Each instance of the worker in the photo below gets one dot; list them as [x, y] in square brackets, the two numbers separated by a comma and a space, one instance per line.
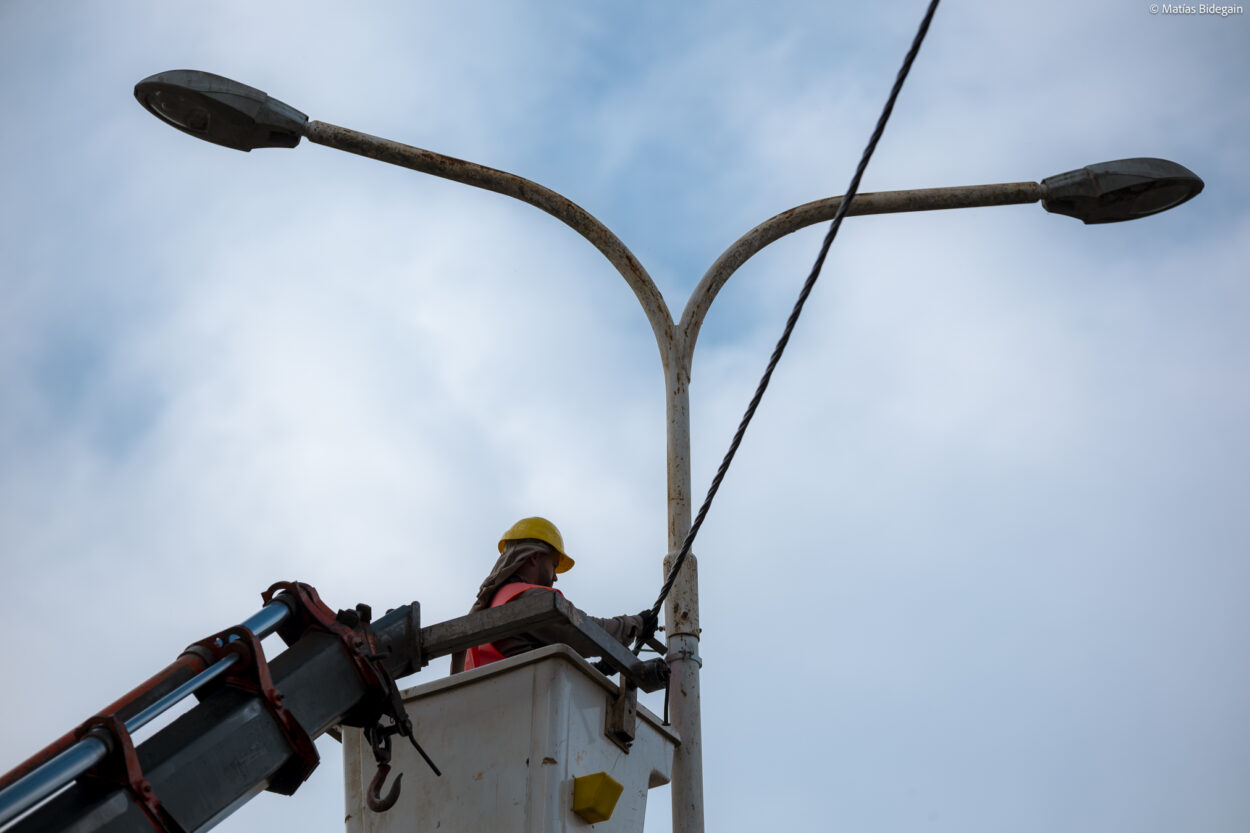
[531, 555]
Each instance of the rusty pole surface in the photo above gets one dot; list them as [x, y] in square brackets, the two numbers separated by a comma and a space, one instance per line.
[676, 344]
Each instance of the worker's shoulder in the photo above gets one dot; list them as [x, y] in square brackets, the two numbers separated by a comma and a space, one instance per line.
[536, 590]
[520, 590]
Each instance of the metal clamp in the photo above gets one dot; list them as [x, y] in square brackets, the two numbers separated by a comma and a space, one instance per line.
[684, 654]
[353, 628]
[121, 767]
[252, 674]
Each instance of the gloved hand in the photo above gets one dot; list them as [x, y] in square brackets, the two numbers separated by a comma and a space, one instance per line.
[649, 621]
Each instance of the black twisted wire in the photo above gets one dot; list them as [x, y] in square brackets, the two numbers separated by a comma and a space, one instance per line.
[845, 205]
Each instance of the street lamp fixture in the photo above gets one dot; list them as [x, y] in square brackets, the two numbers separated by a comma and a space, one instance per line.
[228, 113]
[1125, 189]
[220, 110]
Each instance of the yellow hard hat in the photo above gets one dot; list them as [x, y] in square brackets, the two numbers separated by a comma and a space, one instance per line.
[542, 530]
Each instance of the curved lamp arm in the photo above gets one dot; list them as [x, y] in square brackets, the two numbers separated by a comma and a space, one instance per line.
[799, 217]
[502, 182]
[226, 112]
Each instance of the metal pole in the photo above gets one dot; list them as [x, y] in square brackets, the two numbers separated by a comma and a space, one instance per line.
[681, 608]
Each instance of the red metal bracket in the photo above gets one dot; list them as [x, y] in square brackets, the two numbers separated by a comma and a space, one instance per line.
[352, 627]
[308, 612]
[121, 767]
[252, 674]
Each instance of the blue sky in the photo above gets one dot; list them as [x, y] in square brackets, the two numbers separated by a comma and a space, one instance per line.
[982, 560]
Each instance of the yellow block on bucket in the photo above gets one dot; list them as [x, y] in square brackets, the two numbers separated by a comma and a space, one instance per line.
[594, 796]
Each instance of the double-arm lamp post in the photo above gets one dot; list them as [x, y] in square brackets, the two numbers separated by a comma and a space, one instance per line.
[228, 113]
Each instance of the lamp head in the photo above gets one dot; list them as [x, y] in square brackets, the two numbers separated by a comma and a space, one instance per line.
[1125, 189]
[219, 110]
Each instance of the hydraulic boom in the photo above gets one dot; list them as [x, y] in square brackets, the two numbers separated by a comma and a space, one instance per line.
[256, 720]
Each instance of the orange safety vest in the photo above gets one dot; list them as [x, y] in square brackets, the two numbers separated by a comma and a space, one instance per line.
[488, 653]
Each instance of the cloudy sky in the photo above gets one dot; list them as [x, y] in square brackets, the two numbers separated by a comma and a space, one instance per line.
[983, 560]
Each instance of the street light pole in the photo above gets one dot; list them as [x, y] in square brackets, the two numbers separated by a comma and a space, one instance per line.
[676, 344]
[200, 103]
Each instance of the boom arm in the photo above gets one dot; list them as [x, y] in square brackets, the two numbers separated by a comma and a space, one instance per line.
[252, 730]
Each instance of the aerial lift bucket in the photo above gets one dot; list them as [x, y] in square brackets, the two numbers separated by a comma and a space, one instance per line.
[531, 744]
